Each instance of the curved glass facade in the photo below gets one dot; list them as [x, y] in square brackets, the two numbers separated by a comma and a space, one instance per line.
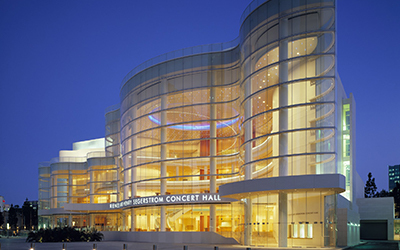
[195, 122]
[44, 185]
[112, 132]
[288, 84]
[184, 135]
[103, 179]
[68, 182]
[44, 193]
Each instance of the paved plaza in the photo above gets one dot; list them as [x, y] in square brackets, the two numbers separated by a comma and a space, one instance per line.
[377, 244]
[15, 243]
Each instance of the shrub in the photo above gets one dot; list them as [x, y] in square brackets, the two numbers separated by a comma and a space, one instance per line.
[66, 234]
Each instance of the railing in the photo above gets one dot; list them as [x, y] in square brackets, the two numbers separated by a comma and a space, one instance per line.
[67, 159]
[250, 8]
[99, 154]
[44, 164]
[111, 108]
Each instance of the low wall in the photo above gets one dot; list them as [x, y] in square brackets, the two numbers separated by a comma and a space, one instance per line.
[169, 237]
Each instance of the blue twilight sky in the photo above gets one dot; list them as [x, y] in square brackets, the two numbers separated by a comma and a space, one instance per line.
[62, 62]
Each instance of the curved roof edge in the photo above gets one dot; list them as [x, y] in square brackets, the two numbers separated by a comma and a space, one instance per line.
[112, 108]
[250, 8]
[195, 50]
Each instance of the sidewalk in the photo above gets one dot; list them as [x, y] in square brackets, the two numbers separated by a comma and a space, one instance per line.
[16, 243]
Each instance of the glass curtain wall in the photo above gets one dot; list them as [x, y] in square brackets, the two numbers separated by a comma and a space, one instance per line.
[346, 148]
[44, 193]
[180, 133]
[80, 220]
[103, 176]
[78, 184]
[68, 182]
[190, 218]
[309, 219]
[113, 125]
[288, 86]
[167, 131]
[106, 221]
[113, 143]
[44, 222]
[44, 186]
[289, 119]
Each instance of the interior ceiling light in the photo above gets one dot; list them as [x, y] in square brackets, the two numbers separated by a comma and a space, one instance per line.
[202, 127]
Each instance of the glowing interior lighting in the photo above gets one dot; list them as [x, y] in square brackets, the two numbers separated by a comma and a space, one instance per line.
[221, 124]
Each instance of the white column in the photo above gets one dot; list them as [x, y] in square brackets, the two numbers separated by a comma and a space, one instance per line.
[118, 164]
[70, 220]
[213, 142]
[283, 99]
[91, 191]
[248, 211]
[163, 219]
[133, 221]
[53, 221]
[283, 126]
[283, 228]
[248, 132]
[213, 152]
[164, 105]
[123, 215]
[148, 222]
[213, 218]
[126, 181]
[134, 157]
[70, 188]
[91, 220]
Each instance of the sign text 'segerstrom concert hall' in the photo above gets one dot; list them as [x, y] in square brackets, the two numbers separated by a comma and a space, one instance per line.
[248, 142]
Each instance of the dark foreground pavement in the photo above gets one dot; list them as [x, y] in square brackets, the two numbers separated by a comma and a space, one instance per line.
[16, 243]
[379, 245]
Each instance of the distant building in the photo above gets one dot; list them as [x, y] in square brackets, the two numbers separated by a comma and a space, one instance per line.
[394, 176]
[4, 209]
[20, 218]
[2, 204]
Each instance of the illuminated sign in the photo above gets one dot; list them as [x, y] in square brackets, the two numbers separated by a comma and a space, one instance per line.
[170, 199]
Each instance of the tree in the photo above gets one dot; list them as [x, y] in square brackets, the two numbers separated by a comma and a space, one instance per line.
[370, 187]
[12, 217]
[30, 215]
[383, 193]
[1, 219]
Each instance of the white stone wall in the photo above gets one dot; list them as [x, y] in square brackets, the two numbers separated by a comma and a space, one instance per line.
[348, 223]
[378, 209]
[170, 237]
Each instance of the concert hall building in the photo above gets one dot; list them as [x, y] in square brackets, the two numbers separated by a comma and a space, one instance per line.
[250, 142]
